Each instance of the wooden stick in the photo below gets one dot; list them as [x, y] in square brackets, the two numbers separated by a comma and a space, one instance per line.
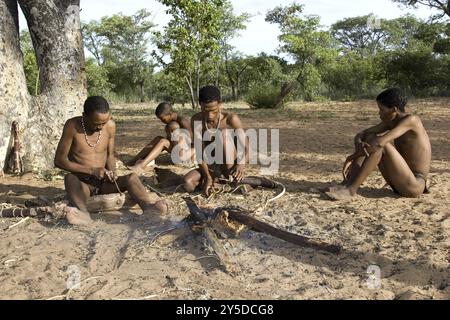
[200, 216]
[281, 234]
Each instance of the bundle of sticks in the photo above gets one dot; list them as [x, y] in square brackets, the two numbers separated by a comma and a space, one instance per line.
[42, 207]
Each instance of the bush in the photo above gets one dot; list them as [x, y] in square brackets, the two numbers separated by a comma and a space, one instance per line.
[262, 97]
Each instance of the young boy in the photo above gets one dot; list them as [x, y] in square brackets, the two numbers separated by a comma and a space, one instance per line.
[86, 150]
[399, 146]
[228, 162]
[165, 113]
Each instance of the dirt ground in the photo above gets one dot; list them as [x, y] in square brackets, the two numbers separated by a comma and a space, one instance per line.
[125, 256]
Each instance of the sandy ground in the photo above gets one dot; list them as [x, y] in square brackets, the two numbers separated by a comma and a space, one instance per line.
[121, 257]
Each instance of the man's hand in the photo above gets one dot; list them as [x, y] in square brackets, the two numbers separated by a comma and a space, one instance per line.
[208, 186]
[237, 172]
[99, 173]
[373, 145]
[111, 175]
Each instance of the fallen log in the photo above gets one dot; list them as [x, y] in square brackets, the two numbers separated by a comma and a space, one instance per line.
[249, 221]
[42, 207]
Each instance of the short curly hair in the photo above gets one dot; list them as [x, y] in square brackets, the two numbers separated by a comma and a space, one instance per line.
[393, 97]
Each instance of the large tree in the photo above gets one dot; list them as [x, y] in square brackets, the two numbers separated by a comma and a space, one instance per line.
[442, 6]
[303, 39]
[55, 32]
[191, 37]
[120, 43]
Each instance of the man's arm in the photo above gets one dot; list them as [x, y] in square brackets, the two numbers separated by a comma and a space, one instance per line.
[379, 128]
[111, 160]
[186, 124]
[408, 123]
[62, 152]
[236, 123]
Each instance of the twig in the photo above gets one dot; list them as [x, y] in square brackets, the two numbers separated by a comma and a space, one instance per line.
[154, 190]
[19, 223]
[164, 232]
[279, 195]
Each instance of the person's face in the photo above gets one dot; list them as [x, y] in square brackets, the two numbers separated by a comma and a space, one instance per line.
[387, 114]
[165, 118]
[97, 120]
[210, 110]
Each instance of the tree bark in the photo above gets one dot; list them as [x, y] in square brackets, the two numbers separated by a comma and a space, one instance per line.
[55, 31]
[191, 90]
[286, 88]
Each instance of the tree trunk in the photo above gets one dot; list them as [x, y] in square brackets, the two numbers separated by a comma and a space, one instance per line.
[55, 31]
[141, 90]
[286, 88]
[191, 90]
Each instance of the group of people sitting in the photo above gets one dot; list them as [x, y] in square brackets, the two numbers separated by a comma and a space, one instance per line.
[399, 146]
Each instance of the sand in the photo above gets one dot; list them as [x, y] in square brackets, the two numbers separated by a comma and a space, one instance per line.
[121, 255]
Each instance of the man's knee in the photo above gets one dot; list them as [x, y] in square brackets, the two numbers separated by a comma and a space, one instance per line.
[164, 142]
[132, 178]
[70, 179]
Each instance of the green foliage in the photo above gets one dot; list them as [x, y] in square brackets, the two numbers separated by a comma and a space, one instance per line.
[119, 44]
[443, 6]
[302, 38]
[262, 97]
[97, 79]
[29, 63]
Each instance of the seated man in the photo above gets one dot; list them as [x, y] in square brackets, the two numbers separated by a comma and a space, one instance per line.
[165, 113]
[399, 146]
[86, 150]
[232, 163]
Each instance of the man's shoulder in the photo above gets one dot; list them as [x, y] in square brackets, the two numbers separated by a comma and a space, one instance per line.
[73, 122]
[231, 117]
[183, 119]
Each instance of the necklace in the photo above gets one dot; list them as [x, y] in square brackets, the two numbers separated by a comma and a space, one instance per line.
[218, 124]
[86, 137]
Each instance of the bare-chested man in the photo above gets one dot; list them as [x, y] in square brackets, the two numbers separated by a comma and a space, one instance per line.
[165, 113]
[399, 146]
[86, 150]
[211, 119]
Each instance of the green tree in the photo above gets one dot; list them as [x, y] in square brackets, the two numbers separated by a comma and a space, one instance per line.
[191, 37]
[29, 63]
[120, 44]
[443, 6]
[310, 47]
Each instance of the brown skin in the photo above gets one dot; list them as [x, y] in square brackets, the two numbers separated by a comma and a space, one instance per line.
[210, 115]
[82, 161]
[399, 146]
[159, 144]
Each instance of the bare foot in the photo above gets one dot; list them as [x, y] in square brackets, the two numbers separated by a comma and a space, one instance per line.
[77, 217]
[339, 193]
[159, 207]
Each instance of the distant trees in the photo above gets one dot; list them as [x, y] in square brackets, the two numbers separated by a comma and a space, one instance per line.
[355, 58]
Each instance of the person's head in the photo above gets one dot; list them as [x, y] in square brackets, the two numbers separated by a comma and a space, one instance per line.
[164, 112]
[171, 127]
[96, 113]
[391, 103]
[210, 102]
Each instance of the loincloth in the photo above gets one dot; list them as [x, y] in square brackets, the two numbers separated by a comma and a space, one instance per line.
[93, 183]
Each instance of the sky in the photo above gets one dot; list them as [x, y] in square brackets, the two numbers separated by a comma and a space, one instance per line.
[259, 36]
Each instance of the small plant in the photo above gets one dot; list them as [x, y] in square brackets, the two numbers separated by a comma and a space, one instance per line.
[263, 97]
